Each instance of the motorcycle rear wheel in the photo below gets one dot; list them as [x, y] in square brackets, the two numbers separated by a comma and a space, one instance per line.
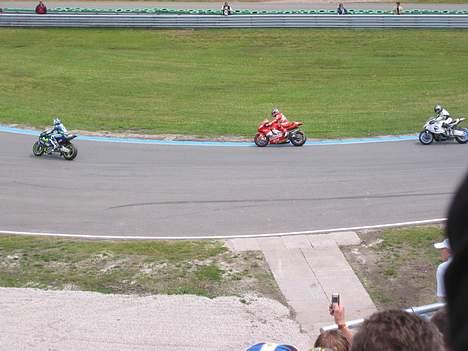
[298, 138]
[462, 139]
[69, 156]
[38, 149]
[261, 140]
[426, 137]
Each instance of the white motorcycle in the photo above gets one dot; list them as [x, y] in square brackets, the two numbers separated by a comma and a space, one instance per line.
[435, 130]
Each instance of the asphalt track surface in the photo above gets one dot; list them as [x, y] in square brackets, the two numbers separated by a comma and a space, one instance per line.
[173, 190]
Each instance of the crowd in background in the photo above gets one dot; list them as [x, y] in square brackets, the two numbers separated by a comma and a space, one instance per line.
[227, 10]
[397, 10]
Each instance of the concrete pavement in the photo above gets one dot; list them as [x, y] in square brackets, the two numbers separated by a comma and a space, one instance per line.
[308, 269]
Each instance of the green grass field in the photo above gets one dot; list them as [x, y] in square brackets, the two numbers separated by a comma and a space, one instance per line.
[341, 83]
[204, 268]
[398, 266]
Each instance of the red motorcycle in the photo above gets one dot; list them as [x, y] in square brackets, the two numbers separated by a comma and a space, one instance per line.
[269, 134]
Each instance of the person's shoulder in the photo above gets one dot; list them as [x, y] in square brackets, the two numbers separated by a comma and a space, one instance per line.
[443, 266]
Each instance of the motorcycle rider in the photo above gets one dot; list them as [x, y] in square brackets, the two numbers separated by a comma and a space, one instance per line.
[444, 116]
[279, 121]
[57, 132]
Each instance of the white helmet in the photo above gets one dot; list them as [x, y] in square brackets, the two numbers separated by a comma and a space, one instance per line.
[275, 111]
[437, 108]
[57, 121]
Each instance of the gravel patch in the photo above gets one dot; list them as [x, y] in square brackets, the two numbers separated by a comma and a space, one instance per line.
[35, 319]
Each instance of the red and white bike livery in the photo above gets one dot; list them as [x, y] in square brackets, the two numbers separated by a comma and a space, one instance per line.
[268, 133]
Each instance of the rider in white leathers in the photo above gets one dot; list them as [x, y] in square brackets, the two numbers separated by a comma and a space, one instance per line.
[444, 116]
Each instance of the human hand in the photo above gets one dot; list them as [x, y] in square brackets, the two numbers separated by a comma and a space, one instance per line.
[337, 311]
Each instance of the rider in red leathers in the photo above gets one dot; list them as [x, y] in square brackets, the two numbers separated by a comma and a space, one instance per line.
[279, 121]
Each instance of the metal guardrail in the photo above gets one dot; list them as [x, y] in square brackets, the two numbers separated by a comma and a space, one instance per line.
[423, 311]
[238, 21]
[179, 11]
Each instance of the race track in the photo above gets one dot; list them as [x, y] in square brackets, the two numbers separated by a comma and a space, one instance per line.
[173, 190]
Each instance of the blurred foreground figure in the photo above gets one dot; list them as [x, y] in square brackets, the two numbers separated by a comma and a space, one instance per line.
[456, 276]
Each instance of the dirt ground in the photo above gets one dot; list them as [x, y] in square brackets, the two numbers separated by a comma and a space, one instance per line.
[397, 267]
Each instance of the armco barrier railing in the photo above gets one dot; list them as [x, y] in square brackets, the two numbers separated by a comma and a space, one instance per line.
[238, 21]
[423, 311]
[173, 11]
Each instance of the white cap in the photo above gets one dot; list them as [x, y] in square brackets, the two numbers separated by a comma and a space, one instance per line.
[442, 245]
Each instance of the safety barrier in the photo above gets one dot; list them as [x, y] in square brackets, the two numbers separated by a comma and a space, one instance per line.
[171, 11]
[241, 21]
[424, 311]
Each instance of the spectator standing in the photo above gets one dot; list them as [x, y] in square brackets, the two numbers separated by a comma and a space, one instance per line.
[227, 9]
[341, 9]
[398, 9]
[445, 254]
[41, 8]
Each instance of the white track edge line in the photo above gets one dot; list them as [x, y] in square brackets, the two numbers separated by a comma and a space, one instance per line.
[226, 237]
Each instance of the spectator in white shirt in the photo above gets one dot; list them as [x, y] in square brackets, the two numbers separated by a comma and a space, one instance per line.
[445, 255]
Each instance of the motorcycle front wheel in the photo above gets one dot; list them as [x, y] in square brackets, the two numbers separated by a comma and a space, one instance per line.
[298, 138]
[261, 140]
[71, 154]
[426, 137]
[38, 149]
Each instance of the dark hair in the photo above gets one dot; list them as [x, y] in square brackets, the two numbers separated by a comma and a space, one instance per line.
[440, 320]
[332, 339]
[396, 330]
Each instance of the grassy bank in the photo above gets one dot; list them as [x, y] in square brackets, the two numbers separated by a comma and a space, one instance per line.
[204, 268]
[398, 266]
[223, 82]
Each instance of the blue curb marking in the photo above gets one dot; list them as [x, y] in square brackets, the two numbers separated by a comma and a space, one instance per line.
[364, 140]
[7, 129]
